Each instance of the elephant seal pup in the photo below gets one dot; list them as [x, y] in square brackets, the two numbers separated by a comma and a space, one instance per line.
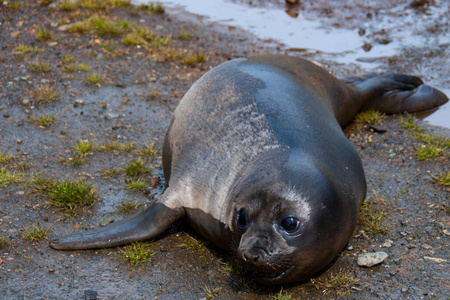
[256, 161]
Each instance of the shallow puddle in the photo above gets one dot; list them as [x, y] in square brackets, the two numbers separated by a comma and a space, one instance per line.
[334, 36]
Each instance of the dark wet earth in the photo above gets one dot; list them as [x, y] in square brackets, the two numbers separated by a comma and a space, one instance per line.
[133, 103]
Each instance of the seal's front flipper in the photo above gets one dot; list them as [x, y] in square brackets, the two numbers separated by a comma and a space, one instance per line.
[145, 225]
[396, 93]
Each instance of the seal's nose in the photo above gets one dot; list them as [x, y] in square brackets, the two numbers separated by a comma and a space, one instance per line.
[249, 257]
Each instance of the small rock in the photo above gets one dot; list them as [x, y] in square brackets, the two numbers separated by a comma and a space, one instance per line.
[371, 259]
[378, 128]
[387, 244]
[19, 141]
[404, 233]
[426, 247]
[110, 116]
[26, 101]
[446, 232]
[52, 44]
[435, 259]
[6, 114]
[78, 102]
[90, 295]
[106, 221]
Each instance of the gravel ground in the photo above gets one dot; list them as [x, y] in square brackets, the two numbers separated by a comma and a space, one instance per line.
[137, 90]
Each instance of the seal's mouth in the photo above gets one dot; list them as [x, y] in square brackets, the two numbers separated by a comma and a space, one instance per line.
[268, 278]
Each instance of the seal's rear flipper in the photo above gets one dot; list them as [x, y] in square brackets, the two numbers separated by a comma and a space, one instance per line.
[396, 93]
[145, 225]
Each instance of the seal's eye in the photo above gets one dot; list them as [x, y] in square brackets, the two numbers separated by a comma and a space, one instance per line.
[290, 224]
[242, 219]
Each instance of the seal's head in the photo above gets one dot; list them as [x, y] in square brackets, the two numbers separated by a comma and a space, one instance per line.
[291, 228]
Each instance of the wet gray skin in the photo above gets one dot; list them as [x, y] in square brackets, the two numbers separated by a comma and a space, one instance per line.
[256, 161]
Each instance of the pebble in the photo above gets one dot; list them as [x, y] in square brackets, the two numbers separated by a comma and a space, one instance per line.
[78, 102]
[90, 295]
[110, 116]
[6, 114]
[106, 221]
[435, 259]
[371, 259]
[446, 232]
[387, 244]
[26, 101]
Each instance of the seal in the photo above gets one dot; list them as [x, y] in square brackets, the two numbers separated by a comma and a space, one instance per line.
[256, 161]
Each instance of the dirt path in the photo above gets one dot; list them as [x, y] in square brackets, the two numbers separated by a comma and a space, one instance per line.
[127, 106]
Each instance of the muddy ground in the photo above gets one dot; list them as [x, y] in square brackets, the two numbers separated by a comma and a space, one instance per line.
[139, 87]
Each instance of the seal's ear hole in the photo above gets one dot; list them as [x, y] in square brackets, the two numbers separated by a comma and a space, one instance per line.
[290, 224]
[243, 219]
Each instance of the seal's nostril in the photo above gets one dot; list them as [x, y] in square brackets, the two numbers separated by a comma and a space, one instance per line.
[248, 257]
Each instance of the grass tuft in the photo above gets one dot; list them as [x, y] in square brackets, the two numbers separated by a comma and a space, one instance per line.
[211, 292]
[443, 178]
[136, 185]
[136, 168]
[36, 233]
[128, 206]
[281, 296]
[371, 117]
[5, 157]
[7, 177]
[148, 150]
[340, 284]
[137, 254]
[43, 34]
[84, 146]
[40, 67]
[46, 94]
[193, 59]
[43, 120]
[372, 215]
[114, 145]
[93, 79]
[67, 194]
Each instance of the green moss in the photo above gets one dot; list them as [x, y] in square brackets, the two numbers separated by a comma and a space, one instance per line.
[93, 79]
[148, 150]
[193, 59]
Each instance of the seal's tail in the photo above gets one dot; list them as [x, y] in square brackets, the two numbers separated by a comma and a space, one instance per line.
[145, 225]
[396, 93]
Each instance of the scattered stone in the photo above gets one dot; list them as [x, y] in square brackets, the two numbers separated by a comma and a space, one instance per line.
[426, 247]
[26, 101]
[78, 102]
[371, 259]
[387, 244]
[435, 259]
[446, 232]
[111, 116]
[20, 193]
[106, 221]
[404, 233]
[90, 295]
[19, 141]
[6, 114]
[378, 128]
